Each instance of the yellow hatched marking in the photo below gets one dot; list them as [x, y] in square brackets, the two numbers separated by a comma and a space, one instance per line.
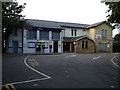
[7, 87]
[10, 86]
[33, 62]
[13, 87]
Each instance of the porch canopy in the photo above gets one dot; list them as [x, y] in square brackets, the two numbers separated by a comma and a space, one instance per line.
[73, 39]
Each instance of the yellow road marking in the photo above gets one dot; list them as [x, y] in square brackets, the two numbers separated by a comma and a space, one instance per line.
[7, 87]
[33, 62]
[13, 87]
[31, 59]
[10, 86]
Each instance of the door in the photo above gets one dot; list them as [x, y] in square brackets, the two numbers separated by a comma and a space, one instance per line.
[73, 47]
[15, 47]
[66, 47]
[55, 46]
[38, 48]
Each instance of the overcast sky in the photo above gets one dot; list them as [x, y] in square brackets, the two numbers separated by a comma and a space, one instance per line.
[76, 11]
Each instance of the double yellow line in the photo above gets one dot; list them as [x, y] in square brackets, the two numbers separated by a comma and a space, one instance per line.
[10, 87]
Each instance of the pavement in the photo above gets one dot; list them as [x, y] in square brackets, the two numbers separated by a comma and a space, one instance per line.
[67, 70]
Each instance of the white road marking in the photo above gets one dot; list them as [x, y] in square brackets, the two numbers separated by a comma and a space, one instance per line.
[70, 56]
[27, 81]
[114, 62]
[35, 69]
[96, 57]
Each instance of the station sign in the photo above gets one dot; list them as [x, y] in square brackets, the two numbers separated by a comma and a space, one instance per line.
[98, 36]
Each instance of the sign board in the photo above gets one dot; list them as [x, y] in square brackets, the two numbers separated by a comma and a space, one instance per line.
[31, 44]
[43, 44]
[98, 36]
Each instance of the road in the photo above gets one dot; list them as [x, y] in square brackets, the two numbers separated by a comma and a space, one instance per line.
[66, 70]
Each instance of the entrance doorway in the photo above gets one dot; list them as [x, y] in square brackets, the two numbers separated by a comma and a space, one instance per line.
[15, 46]
[55, 46]
[72, 47]
[40, 47]
[66, 47]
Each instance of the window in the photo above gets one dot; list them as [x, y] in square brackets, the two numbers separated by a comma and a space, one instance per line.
[86, 45]
[104, 33]
[103, 46]
[99, 46]
[31, 34]
[75, 32]
[72, 32]
[44, 35]
[55, 35]
[82, 44]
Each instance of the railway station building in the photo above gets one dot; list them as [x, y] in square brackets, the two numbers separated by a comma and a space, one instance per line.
[41, 36]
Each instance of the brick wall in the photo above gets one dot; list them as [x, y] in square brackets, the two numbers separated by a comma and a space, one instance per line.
[90, 48]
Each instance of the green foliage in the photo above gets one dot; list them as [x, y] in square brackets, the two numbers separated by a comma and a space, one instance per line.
[116, 42]
[11, 17]
[114, 8]
[117, 37]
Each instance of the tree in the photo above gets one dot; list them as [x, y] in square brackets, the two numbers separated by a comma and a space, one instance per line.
[114, 10]
[12, 19]
[117, 37]
[116, 43]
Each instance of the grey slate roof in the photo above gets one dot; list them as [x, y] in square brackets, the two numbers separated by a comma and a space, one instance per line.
[96, 24]
[42, 23]
[75, 25]
[55, 24]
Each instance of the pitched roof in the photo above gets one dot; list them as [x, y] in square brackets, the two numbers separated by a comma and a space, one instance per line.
[42, 23]
[74, 25]
[72, 39]
[53, 24]
[96, 24]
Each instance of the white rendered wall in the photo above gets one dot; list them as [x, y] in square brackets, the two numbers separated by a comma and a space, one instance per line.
[79, 32]
[50, 42]
[17, 38]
